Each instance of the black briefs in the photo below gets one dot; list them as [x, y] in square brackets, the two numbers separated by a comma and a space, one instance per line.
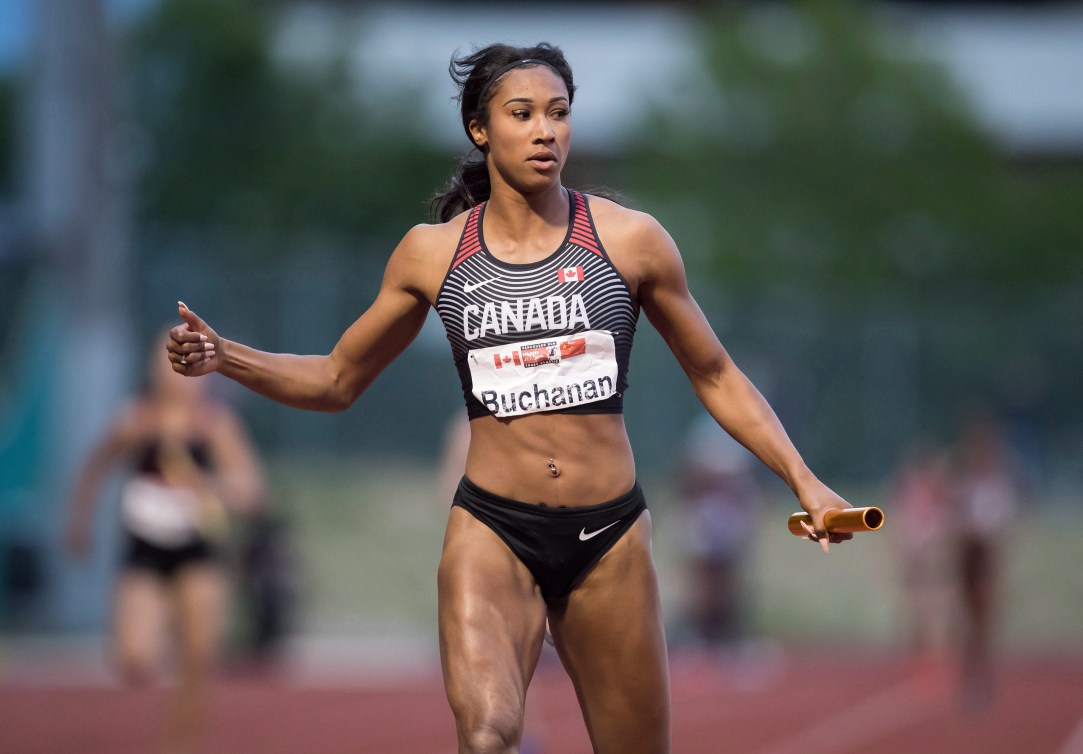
[558, 545]
[166, 561]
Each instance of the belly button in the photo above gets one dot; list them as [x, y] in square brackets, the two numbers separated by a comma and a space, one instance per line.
[553, 470]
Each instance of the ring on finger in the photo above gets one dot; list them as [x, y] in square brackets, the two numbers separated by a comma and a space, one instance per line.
[184, 361]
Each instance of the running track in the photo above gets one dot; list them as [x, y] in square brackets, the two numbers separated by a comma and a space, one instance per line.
[788, 704]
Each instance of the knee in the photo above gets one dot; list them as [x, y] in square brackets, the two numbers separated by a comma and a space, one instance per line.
[136, 669]
[496, 735]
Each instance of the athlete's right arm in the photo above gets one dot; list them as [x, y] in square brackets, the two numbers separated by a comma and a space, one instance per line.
[108, 451]
[320, 383]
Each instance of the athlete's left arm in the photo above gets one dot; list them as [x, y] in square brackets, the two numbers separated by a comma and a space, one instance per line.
[238, 470]
[725, 391]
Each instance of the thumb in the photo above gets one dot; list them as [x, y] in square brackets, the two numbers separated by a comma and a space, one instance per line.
[195, 324]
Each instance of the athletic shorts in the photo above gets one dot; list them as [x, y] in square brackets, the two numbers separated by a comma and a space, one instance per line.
[166, 561]
[559, 546]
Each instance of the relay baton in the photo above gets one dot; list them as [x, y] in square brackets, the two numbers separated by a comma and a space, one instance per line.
[840, 521]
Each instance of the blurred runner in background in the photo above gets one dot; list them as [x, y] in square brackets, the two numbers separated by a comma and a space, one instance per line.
[987, 492]
[190, 465]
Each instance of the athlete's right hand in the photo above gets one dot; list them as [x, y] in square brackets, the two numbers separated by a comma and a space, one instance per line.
[193, 347]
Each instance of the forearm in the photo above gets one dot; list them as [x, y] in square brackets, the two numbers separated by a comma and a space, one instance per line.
[308, 382]
[742, 411]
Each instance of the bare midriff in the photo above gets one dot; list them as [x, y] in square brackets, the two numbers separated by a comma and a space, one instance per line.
[557, 459]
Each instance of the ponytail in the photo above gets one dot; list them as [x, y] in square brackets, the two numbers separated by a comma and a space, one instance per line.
[468, 187]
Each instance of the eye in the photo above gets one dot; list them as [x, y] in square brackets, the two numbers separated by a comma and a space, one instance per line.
[520, 114]
[560, 113]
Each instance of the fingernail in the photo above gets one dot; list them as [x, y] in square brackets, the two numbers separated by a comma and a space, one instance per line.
[202, 337]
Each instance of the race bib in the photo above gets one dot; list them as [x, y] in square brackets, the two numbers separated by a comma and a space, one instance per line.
[162, 515]
[544, 375]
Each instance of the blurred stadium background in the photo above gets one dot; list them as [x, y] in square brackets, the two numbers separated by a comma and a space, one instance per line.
[880, 205]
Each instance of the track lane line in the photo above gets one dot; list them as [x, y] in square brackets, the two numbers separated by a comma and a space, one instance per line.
[1074, 744]
[860, 723]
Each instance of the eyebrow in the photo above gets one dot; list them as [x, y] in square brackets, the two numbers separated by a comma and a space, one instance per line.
[530, 101]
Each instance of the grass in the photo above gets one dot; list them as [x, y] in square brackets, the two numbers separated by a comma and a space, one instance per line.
[369, 534]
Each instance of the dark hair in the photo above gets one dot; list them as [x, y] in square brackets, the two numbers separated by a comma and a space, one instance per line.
[475, 75]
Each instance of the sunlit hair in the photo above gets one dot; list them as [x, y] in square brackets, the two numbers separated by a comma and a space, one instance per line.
[476, 75]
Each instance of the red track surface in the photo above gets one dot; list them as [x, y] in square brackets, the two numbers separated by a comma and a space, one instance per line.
[800, 705]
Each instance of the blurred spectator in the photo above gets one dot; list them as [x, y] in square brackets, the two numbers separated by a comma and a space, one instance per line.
[719, 509]
[922, 525]
[190, 463]
[267, 588]
[987, 492]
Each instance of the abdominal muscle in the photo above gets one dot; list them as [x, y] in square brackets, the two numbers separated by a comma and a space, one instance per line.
[557, 459]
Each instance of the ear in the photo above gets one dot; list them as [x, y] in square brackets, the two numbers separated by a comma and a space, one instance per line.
[479, 134]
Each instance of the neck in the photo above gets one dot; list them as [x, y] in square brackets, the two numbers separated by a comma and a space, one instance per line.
[548, 207]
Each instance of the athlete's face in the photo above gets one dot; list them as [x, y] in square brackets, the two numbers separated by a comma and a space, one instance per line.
[529, 129]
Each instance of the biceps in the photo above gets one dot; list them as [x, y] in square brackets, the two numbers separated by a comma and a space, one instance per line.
[378, 336]
[682, 324]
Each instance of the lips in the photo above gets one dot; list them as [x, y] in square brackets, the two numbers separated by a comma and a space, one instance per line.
[542, 159]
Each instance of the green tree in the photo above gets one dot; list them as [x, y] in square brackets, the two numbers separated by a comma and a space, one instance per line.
[814, 156]
[235, 140]
[891, 266]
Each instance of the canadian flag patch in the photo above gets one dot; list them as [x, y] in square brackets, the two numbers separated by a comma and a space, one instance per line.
[571, 274]
[500, 359]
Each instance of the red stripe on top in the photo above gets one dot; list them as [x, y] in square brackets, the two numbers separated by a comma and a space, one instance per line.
[581, 231]
[470, 243]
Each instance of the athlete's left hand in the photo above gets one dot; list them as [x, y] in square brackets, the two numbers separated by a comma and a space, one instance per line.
[817, 500]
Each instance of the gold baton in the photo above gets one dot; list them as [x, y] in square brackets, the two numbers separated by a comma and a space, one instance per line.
[845, 521]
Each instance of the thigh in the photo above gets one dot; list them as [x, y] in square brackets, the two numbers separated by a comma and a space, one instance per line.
[609, 636]
[199, 599]
[140, 615]
[492, 622]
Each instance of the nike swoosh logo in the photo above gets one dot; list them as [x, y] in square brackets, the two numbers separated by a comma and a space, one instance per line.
[467, 287]
[583, 536]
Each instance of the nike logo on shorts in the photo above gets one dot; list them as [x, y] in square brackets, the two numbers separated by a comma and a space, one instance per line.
[468, 287]
[583, 536]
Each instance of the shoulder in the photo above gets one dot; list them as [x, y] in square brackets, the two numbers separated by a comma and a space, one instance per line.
[424, 254]
[429, 235]
[220, 419]
[618, 218]
[636, 242]
[132, 425]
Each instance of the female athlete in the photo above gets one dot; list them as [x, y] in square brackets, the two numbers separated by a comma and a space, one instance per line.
[539, 288]
[191, 464]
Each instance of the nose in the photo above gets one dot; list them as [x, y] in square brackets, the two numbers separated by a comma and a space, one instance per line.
[544, 131]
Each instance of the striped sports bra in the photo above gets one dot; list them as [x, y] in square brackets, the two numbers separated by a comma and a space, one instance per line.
[553, 335]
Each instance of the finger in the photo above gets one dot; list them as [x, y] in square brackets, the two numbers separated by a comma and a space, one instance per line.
[193, 348]
[187, 354]
[815, 537]
[181, 334]
[195, 324]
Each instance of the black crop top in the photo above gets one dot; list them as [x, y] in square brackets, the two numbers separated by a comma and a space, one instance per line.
[148, 459]
[553, 335]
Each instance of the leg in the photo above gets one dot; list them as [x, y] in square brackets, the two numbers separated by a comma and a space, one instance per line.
[610, 638]
[492, 619]
[139, 621]
[199, 596]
